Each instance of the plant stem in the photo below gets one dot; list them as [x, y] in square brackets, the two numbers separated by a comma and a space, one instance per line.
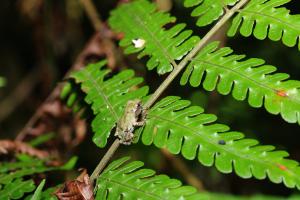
[105, 160]
[167, 82]
[97, 23]
[183, 169]
[92, 13]
[196, 49]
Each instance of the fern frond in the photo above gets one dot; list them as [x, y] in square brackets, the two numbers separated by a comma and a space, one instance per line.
[72, 95]
[107, 97]
[13, 166]
[250, 79]
[37, 195]
[208, 11]
[263, 18]
[41, 139]
[12, 172]
[208, 196]
[128, 181]
[16, 189]
[47, 194]
[174, 124]
[140, 21]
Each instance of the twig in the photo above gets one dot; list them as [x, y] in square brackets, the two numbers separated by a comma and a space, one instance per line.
[105, 159]
[104, 46]
[80, 62]
[19, 94]
[92, 47]
[34, 118]
[92, 13]
[99, 26]
[180, 166]
[196, 49]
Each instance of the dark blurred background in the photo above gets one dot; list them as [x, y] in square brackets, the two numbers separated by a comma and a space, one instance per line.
[40, 39]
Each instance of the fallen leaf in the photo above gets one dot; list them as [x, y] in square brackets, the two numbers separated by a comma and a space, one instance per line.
[79, 189]
[7, 146]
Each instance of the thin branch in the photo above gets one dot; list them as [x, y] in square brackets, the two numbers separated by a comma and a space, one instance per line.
[92, 13]
[109, 49]
[181, 167]
[19, 94]
[100, 43]
[196, 49]
[93, 47]
[105, 159]
[95, 18]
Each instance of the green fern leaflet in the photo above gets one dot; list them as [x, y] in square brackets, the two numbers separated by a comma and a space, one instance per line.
[37, 195]
[2, 81]
[263, 18]
[208, 11]
[72, 95]
[12, 171]
[246, 79]
[128, 181]
[47, 194]
[16, 189]
[174, 124]
[213, 196]
[108, 96]
[140, 21]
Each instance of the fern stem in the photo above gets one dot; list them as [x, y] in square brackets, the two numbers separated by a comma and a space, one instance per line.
[183, 169]
[103, 162]
[195, 50]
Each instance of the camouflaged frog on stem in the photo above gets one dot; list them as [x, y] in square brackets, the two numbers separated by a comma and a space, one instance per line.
[133, 117]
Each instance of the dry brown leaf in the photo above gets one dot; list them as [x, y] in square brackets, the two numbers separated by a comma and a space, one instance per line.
[79, 189]
[7, 146]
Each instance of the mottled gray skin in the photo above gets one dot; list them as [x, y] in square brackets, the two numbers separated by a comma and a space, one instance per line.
[130, 119]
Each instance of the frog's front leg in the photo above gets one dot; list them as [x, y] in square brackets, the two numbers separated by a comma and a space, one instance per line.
[141, 123]
[128, 138]
[141, 118]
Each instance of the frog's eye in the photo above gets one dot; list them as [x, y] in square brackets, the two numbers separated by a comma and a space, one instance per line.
[138, 43]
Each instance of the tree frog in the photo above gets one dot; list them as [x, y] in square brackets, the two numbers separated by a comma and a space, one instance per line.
[133, 116]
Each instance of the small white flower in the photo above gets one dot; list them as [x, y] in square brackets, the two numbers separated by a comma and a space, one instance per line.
[138, 43]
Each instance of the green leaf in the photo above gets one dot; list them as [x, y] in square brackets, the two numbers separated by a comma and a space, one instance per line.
[2, 81]
[41, 139]
[38, 192]
[247, 79]
[141, 20]
[69, 165]
[26, 170]
[73, 97]
[48, 194]
[212, 196]
[208, 11]
[16, 189]
[174, 124]
[12, 166]
[263, 18]
[65, 91]
[129, 181]
[108, 96]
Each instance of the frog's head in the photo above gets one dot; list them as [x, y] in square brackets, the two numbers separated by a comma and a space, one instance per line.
[134, 105]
